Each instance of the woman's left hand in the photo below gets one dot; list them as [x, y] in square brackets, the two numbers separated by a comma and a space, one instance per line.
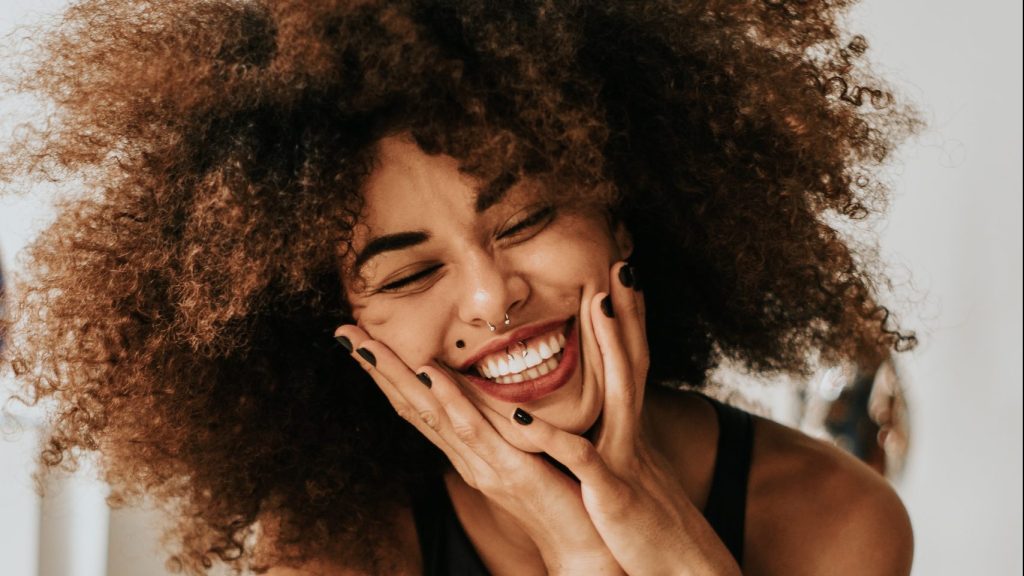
[630, 491]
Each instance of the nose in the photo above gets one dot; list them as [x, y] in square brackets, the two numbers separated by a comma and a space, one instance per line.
[492, 290]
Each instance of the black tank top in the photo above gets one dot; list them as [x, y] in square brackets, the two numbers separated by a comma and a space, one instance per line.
[447, 550]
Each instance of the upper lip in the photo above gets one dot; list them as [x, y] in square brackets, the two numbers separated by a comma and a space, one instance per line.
[500, 343]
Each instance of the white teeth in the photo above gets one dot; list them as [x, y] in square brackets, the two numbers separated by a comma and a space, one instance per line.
[531, 373]
[527, 360]
[516, 365]
[545, 351]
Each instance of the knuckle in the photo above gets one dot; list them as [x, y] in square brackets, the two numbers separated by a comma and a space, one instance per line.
[465, 432]
[429, 417]
[583, 452]
[405, 412]
[487, 484]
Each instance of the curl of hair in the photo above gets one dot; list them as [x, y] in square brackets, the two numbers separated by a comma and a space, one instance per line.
[179, 311]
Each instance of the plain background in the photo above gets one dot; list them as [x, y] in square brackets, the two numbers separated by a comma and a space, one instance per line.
[953, 236]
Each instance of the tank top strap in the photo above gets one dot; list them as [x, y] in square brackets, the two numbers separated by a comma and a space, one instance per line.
[446, 549]
[727, 501]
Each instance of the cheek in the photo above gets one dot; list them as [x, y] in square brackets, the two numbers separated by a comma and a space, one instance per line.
[407, 330]
[579, 254]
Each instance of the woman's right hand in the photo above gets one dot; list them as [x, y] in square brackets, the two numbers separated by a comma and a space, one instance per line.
[546, 503]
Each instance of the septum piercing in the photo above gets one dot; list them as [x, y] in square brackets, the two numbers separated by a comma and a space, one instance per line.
[492, 327]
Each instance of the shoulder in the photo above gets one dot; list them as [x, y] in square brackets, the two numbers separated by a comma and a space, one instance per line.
[813, 509]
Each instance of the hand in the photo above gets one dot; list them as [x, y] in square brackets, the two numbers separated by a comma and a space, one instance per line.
[629, 490]
[546, 503]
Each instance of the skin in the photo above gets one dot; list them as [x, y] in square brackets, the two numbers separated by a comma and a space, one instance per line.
[644, 469]
[546, 273]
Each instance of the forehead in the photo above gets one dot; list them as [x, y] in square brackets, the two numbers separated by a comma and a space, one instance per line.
[408, 188]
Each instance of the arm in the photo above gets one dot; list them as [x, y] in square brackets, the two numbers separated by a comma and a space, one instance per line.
[814, 509]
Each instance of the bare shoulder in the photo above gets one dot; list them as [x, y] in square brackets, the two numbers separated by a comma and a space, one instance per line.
[813, 509]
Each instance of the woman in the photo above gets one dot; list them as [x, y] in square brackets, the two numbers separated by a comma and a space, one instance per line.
[529, 225]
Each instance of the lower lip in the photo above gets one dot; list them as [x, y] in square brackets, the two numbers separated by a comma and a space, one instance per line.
[530, 390]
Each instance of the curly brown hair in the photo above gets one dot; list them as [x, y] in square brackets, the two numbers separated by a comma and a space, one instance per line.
[179, 311]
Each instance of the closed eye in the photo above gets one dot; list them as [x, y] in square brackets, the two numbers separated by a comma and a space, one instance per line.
[541, 216]
[409, 280]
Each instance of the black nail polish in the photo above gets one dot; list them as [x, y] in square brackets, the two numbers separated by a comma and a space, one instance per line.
[423, 377]
[627, 276]
[368, 356]
[606, 307]
[345, 343]
[522, 416]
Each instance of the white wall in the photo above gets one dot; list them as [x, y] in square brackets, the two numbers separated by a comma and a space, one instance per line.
[955, 224]
[955, 229]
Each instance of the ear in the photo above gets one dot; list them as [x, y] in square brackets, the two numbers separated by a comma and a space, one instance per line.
[623, 239]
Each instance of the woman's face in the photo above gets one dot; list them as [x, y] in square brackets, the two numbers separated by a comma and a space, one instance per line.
[434, 273]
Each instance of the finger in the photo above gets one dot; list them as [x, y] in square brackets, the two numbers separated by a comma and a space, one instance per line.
[354, 341]
[379, 360]
[630, 314]
[468, 431]
[431, 396]
[619, 416]
[407, 394]
[572, 451]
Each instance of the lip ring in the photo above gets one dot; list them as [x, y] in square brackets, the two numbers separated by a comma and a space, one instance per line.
[536, 388]
[499, 344]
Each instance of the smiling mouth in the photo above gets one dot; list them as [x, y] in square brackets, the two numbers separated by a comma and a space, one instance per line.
[530, 369]
[524, 360]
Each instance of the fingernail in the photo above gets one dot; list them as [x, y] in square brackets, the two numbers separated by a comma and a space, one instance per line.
[627, 276]
[368, 356]
[606, 307]
[422, 376]
[345, 343]
[522, 416]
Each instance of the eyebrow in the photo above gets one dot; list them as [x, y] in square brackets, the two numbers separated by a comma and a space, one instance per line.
[487, 197]
[388, 243]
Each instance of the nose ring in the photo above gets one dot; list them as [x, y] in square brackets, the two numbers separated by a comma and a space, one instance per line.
[492, 327]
